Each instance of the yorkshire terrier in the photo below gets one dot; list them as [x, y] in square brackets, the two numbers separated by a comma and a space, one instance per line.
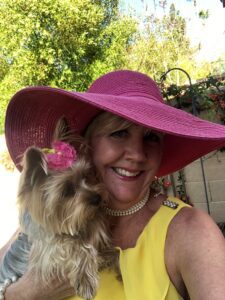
[61, 212]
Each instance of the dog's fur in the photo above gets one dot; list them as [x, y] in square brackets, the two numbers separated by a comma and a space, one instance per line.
[62, 214]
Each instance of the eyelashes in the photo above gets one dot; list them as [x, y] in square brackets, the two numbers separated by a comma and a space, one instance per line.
[149, 135]
[152, 136]
[120, 133]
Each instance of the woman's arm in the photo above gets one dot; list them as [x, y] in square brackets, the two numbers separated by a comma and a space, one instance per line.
[199, 254]
[30, 287]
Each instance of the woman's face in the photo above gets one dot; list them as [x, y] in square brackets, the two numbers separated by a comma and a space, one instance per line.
[127, 160]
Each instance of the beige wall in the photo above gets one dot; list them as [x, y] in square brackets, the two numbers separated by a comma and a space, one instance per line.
[214, 167]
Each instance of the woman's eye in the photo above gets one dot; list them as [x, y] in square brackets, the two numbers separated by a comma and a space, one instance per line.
[119, 133]
[152, 137]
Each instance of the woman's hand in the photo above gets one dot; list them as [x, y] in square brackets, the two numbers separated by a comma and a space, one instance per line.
[30, 287]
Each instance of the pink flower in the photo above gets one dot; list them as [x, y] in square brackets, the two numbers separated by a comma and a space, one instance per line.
[62, 156]
[167, 183]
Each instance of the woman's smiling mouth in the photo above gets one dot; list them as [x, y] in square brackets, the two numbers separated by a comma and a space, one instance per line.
[126, 173]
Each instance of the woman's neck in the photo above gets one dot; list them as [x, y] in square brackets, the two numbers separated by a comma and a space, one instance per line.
[126, 230]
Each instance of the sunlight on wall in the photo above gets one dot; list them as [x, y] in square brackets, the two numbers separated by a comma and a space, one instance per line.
[8, 209]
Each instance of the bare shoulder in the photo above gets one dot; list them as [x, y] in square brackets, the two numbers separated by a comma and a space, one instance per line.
[194, 223]
[200, 253]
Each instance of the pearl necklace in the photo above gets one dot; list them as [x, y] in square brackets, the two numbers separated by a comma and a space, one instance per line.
[126, 212]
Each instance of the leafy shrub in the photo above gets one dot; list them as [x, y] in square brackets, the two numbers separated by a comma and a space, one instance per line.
[6, 161]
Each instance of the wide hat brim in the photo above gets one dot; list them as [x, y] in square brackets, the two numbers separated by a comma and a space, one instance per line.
[33, 112]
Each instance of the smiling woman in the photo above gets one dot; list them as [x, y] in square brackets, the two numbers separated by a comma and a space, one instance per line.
[168, 250]
[127, 156]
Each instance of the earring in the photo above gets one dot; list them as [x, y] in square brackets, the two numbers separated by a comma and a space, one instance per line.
[157, 186]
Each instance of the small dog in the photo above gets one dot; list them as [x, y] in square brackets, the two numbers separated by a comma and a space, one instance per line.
[61, 211]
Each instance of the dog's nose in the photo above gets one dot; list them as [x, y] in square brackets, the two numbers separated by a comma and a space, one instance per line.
[96, 199]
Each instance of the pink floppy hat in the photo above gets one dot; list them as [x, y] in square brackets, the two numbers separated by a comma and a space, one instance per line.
[33, 112]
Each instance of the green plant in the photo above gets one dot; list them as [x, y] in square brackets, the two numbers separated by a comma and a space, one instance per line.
[209, 96]
[6, 161]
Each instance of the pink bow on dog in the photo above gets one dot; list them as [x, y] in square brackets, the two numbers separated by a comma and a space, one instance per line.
[61, 156]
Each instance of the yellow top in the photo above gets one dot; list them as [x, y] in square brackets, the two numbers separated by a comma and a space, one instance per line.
[143, 268]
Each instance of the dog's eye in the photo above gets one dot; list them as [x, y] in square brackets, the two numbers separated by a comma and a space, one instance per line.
[95, 199]
[68, 189]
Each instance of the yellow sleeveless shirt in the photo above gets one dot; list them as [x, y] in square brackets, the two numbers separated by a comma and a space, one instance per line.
[143, 268]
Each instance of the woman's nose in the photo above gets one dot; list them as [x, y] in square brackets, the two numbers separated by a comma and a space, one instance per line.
[136, 150]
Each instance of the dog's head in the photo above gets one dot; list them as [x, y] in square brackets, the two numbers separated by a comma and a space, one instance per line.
[61, 201]
[66, 201]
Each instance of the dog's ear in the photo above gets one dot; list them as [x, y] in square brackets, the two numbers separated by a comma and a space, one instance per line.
[62, 130]
[35, 167]
[64, 133]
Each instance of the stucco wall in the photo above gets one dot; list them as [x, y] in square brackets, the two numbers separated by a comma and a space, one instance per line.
[214, 168]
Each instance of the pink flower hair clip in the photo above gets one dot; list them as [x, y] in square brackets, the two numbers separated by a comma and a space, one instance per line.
[61, 156]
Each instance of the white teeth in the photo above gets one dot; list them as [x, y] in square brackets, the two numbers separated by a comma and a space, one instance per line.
[123, 172]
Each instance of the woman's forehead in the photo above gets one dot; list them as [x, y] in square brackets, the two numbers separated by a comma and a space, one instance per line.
[107, 123]
[148, 129]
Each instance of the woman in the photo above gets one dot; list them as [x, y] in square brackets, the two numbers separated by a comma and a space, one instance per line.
[168, 250]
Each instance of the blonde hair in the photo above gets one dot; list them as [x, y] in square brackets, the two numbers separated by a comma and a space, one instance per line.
[106, 123]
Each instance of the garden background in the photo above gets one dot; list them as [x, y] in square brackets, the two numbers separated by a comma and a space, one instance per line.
[69, 43]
